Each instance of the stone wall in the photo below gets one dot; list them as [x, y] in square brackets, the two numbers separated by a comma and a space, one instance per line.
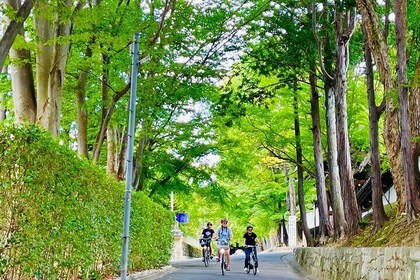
[390, 263]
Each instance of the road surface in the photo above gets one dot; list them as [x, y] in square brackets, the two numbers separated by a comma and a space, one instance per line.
[272, 265]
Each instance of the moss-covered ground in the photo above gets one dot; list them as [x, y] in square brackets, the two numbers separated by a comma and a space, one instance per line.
[396, 232]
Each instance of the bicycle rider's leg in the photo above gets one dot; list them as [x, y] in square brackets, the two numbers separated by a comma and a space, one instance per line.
[255, 254]
[210, 248]
[247, 256]
[227, 257]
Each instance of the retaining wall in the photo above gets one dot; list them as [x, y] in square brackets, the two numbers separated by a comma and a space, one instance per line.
[392, 263]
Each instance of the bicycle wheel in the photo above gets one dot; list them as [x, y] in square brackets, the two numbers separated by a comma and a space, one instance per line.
[206, 257]
[222, 263]
[254, 264]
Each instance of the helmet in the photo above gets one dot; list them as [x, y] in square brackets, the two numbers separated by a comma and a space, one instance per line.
[248, 227]
[223, 220]
[209, 224]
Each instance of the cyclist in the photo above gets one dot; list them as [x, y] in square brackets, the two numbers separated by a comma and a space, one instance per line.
[208, 232]
[224, 234]
[250, 238]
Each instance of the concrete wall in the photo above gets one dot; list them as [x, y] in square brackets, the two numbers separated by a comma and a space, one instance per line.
[392, 263]
[185, 247]
[178, 248]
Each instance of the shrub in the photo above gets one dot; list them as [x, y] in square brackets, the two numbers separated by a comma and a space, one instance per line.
[61, 217]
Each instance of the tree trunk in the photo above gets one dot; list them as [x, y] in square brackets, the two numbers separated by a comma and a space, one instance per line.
[100, 137]
[23, 88]
[291, 193]
[344, 26]
[82, 116]
[122, 155]
[14, 27]
[415, 121]
[301, 195]
[411, 190]
[325, 57]
[376, 41]
[139, 172]
[112, 157]
[22, 80]
[340, 224]
[108, 107]
[51, 65]
[3, 111]
[379, 215]
[324, 221]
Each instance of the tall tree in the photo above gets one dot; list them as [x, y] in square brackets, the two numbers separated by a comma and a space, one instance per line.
[82, 112]
[345, 18]
[393, 138]
[411, 189]
[325, 56]
[374, 115]
[415, 120]
[52, 27]
[414, 102]
[22, 79]
[298, 142]
[322, 201]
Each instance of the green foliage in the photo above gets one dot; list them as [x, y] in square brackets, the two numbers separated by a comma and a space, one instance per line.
[252, 129]
[6, 101]
[62, 217]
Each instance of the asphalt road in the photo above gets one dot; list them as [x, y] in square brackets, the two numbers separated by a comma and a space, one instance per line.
[272, 265]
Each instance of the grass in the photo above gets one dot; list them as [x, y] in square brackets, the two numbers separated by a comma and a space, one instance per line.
[396, 232]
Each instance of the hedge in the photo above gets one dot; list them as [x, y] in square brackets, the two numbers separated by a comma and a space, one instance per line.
[61, 217]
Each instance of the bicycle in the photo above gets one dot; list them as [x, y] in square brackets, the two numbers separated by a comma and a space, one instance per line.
[222, 245]
[205, 243]
[253, 261]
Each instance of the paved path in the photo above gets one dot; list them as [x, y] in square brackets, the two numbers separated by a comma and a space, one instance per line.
[273, 265]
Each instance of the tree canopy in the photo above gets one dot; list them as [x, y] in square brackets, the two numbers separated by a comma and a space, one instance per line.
[225, 112]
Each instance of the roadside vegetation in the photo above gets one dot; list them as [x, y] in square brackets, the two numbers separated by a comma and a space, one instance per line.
[253, 110]
[394, 233]
[61, 217]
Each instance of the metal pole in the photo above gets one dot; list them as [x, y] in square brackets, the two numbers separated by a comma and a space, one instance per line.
[129, 169]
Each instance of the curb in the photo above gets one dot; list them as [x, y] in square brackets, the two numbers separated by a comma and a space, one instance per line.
[150, 274]
[290, 260]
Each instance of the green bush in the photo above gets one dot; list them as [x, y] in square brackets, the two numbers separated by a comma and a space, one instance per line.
[61, 217]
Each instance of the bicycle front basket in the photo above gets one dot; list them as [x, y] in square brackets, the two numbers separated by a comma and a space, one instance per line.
[223, 244]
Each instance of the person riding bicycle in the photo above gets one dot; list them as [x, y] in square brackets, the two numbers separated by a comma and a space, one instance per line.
[224, 234]
[208, 234]
[250, 238]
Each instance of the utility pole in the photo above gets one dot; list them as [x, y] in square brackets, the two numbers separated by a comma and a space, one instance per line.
[130, 146]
